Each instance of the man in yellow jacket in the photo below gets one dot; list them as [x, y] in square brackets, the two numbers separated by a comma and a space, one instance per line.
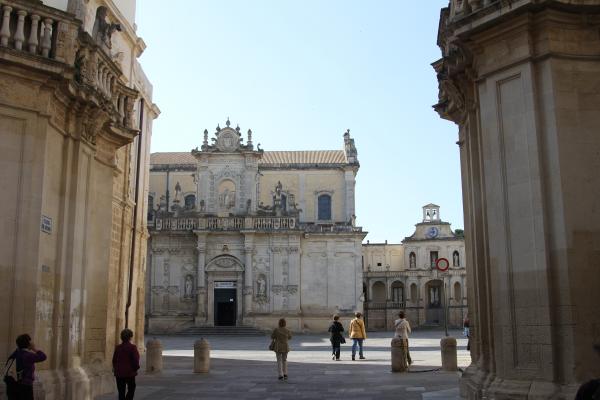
[357, 334]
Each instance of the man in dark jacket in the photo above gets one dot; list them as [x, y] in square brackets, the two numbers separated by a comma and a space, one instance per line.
[126, 362]
[25, 358]
[337, 338]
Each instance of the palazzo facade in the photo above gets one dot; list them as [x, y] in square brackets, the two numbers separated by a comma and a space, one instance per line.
[242, 236]
[403, 276]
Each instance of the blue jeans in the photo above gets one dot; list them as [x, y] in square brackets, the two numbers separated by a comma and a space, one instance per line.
[357, 342]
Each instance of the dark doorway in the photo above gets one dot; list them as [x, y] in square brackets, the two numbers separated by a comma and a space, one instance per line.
[225, 307]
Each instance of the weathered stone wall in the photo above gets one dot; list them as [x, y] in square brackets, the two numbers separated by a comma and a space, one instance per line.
[69, 204]
[521, 82]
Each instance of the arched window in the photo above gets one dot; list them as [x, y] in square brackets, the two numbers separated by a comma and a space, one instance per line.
[397, 292]
[414, 293]
[378, 292]
[324, 204]
[457, 292]
[455, 259]
[190, 201]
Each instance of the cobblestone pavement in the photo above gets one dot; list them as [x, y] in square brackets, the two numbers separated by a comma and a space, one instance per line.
[243, 368]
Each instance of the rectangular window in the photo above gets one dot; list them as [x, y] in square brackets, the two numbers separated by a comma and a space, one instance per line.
[324, 204]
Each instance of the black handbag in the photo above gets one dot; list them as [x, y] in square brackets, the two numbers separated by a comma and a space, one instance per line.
[10, 381]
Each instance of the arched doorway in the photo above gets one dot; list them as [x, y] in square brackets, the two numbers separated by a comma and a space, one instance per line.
[224, 275]
[434, 312]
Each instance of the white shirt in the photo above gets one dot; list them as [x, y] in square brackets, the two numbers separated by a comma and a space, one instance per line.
[402, 328]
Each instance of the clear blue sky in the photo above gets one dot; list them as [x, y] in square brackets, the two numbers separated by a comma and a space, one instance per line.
[299, 73]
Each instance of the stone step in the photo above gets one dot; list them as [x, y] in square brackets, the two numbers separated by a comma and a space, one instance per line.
[221, 331]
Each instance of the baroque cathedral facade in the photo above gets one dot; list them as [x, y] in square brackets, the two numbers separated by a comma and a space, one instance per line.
[240, 236]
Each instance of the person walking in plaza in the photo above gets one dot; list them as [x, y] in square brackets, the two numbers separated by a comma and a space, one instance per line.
[336, 338]
[126, 363]
[280, 346]
[467, 331]
[402, 330]
[25, 357]
[358, 334]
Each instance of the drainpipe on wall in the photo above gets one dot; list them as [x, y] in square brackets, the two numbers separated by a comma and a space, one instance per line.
[135, 214]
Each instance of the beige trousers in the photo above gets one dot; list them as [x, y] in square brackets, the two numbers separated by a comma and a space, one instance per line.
[281, 363]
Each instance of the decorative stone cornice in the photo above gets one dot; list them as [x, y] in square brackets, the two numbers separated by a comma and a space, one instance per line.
[459, 25]
[453, 72]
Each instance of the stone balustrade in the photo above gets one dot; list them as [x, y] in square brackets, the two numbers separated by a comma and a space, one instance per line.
[224, 223]
[452, 271]
[238, 223]
[29, 28]
[383, 305]
[96, 69]
[36, 29]
[334, 228]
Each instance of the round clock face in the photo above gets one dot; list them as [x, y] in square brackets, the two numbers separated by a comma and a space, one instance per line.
[432, 232]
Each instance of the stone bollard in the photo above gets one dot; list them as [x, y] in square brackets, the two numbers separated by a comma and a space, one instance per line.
[448, 345]
[154, 356]
[399, 361]
[201, 356]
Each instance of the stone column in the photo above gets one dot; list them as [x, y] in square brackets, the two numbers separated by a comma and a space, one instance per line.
[248, 278]
[201, 280]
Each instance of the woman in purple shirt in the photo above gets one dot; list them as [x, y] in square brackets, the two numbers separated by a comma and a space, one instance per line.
[25, 358]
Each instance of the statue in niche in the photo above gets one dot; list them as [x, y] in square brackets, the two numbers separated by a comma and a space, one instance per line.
[248, 206]
[102, 30]
[177, 198]
[227, 199]
[202, 205]
[261, 286]
[188, 286]
[412, 260]
[455, 260]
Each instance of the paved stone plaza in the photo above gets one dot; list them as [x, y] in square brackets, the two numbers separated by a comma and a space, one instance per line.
[243, 368]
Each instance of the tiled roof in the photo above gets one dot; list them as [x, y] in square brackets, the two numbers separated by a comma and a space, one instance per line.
[304, 157]
[269, 157]
[172, 158]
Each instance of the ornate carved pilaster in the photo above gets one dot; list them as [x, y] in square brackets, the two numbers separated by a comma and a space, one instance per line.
[248, 278]
[201, 279]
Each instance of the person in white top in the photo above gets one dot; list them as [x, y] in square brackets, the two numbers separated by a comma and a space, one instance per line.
[402, 330]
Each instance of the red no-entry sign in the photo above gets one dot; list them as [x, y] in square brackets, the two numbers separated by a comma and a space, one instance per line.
[442, 264]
